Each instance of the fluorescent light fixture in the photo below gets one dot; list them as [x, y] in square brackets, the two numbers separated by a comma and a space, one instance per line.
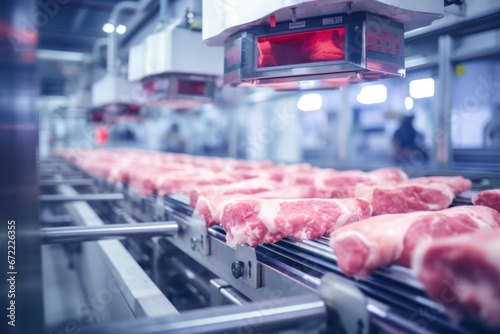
[310, 102]
[422, 88]
[121, 29]
[62, 55]
[409, 103]
[372, 94]
[108, 28]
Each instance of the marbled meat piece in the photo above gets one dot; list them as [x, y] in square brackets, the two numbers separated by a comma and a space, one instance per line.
[252, 186]
[406, 197]
[344, 184]
[457, 184]
[463, 273]
[254, 221]
[365, 246]
[210, 206]
[489, 198]
[181, 182]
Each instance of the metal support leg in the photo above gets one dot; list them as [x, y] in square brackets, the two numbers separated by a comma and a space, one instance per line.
[346, 305]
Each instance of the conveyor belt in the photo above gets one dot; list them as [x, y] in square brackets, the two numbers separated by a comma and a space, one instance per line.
[399, 299]
[308, 260]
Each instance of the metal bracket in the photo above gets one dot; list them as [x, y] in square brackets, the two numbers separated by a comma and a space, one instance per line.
[217, 284]
[347, 305]
[158, 209]
[198, 235]
[246, 267]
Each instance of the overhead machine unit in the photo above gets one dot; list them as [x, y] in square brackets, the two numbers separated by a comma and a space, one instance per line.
[177, 70]
[290, 45]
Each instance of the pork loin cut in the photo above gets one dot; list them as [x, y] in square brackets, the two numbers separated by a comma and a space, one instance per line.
[365, 246]
[210, 206]
[254, 221]
[344, 184]
[489, 198]
[181, 182]
[457, 184]
[406, 197]
[252, 186]
[463, 273]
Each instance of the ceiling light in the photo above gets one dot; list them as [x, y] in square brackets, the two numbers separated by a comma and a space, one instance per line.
[121, 29]
[108, 28]
[409, 103]
[310, 102]
[372, 94]
[422, 88]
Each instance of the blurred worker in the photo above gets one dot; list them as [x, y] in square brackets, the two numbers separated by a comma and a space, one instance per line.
[174, 141]
[408, 143]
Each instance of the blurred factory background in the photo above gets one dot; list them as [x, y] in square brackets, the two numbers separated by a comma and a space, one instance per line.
[351, 126]
[169, 75]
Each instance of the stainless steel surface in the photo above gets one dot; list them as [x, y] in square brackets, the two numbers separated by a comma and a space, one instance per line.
[215, 255]
[81, 197]
[70, 182]
[229, 17]
[67, 234]
[348, 302]
[19, 217]
[360, 61]
[107, 266]
[232, 296]
[305, 313]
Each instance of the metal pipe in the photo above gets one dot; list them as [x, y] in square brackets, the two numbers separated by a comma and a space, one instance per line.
[299, 313]
[60, 235]
[443, 115]
[56, 220]
[71, 182]
[112, 37]
[232, 296]
[81, 197]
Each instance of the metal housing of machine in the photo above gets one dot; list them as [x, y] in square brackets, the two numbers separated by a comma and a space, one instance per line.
[226, 18]
[176, 68]
[372, 46]
[369, 47]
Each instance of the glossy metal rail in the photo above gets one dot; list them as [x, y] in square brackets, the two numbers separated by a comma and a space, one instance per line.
[299, 313]
[58, 235]
[70, 182]
[81, 197]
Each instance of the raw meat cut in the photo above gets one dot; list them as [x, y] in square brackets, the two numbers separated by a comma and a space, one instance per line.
[489, 198]
[463, 273]
[406, 197]
[343, 184]
[365, 246]
[209, 207]
[252, 186]
[254, 221]
[144, 180]
[181, 182]
[457, 183]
